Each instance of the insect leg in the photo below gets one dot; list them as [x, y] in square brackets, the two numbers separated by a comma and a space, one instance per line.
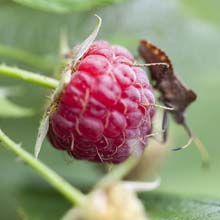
[165, 125]
[202, 150]
[189, 132]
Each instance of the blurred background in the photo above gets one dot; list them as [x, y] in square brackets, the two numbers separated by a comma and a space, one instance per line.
[189, 31]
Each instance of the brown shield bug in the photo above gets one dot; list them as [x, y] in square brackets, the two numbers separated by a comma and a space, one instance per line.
[173, 93]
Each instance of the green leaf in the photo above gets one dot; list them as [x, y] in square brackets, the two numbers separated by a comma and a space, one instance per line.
[64, 6]
[9, 109]
[171, 207]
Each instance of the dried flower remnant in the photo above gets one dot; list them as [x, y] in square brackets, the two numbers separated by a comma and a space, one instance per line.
[115, 201]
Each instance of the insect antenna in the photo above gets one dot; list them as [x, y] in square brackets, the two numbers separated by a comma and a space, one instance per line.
[200, 146]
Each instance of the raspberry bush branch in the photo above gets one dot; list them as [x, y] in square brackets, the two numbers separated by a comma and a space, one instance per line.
[28, 76]
[68, 191]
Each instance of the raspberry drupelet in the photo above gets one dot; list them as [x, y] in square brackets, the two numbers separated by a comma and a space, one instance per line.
[104, 114]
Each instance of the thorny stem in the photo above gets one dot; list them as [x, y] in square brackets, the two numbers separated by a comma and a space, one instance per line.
[118, 172]
[68, 191]
[26, 57]
[28, 76]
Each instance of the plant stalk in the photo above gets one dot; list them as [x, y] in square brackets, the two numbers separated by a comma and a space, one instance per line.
[28, 76]
[68, 191]
[118, 172]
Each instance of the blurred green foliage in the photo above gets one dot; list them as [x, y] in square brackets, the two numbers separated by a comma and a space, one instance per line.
[167, 206]
[9, 109]
[65, 6]
[208, 11]
[183, 29]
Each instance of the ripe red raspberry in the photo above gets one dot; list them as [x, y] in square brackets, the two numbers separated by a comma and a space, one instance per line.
[102, 114]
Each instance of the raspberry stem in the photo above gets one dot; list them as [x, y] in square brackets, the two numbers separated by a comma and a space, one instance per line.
[119, 172]
[68, 191]
[28, 76]
[26, 57]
